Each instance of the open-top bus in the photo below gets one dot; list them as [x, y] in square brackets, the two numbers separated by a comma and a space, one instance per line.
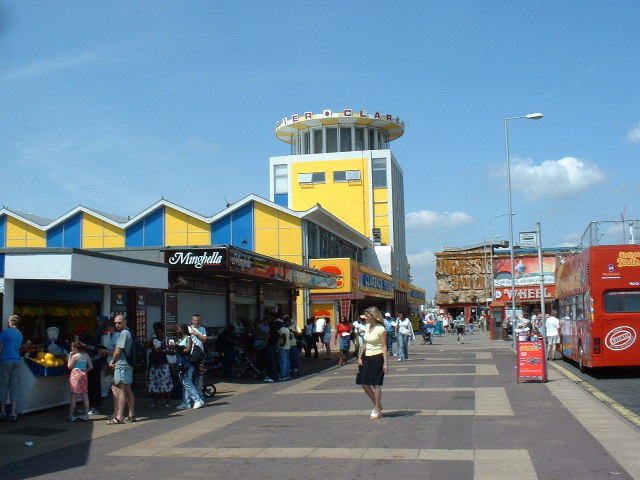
[598, 291]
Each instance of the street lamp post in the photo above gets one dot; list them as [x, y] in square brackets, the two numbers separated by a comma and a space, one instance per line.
[530, 116]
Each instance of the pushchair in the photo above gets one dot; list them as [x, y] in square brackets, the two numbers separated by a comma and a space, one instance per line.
[246, 363]
[427, 334]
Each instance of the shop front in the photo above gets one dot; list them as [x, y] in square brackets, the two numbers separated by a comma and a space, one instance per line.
[226, 284]
[358, 287]
[60, 292]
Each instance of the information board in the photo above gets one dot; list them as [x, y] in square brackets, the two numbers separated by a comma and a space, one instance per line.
[531, 360]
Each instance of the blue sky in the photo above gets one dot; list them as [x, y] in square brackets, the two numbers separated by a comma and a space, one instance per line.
[113, 105]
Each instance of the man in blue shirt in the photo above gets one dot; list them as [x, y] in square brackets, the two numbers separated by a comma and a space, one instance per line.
[10, 341]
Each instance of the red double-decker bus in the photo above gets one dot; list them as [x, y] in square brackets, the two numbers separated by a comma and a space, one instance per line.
[598, 292]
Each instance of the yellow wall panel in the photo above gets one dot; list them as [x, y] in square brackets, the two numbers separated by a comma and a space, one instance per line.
[21, 234]
[175, 221]
[92, 226]
[265, 216]
[380, 194]
[381, 209]
[114, 242]
[267, 242]
[288, 221]
[175, 239]
[199, 238]
[97, 233]
[198, 226]
[93, 242]
[290, 241]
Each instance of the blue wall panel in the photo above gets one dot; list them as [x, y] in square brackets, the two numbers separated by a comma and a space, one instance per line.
[134, 236]
[154, 229]
[281, 199]
[3, 231]
[221, 231]
[73, 232]
[242, 228]
[55, 236]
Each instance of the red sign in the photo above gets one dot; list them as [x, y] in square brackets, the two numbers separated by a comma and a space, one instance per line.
[531, 360]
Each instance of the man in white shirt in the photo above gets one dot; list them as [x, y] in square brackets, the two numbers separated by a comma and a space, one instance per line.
[320, 325]
[552, 327]
[198, 337]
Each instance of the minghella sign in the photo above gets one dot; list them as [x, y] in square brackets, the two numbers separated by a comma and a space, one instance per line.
[208, 259]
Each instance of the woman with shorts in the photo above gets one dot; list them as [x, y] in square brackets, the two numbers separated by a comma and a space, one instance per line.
[373, 360]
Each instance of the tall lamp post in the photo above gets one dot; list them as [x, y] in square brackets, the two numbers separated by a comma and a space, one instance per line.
[530, 116]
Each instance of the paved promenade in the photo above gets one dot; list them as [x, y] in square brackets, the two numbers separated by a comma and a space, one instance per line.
[452, 411]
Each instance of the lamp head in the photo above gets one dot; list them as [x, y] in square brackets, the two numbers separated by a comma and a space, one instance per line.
[534, 116]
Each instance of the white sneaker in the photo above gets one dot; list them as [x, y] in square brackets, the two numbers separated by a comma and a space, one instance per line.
[183, 406]
[198, 404]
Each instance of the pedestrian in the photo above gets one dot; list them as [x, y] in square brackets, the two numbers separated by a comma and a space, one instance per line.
[390, 325]
[343, 339]
[199, 338]
[97, 353]
[373, 361]
[284, 344]
[552, 327]
[326, 338]
[320, 325]
[310, 342]
[190, 392]
[294, 351]
[122, 373]
[80, 364]
[271, 352]
[10, 341]
[405, 334]
[359, 326]
[445, 324]
[226, 344]
[459, 324]
[159, 379]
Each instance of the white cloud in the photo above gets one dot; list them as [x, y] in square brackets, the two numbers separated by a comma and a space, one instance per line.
[430, 219]
[421, 259]
[634, 134]
[554, 179]
[65, 62]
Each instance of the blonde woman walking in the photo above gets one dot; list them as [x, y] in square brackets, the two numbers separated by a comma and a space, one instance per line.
[373, 360]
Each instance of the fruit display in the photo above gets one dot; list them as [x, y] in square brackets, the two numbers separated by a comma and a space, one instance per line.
[45, 364]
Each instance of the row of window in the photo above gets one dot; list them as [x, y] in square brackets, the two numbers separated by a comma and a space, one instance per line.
[343, 138]
[323, 244]
[320, 177]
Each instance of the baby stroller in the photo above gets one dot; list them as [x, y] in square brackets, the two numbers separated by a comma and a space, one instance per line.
[427, 334]
[246, 363]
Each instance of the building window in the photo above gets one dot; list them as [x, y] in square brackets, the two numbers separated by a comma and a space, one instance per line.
[280, 183]
[345, 139]
[359, 138]
[379, 172]
[332, 139]
[346, 176]
[316, 146]
[314, 177]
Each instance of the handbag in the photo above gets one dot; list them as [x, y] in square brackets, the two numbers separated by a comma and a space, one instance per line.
[196, 355]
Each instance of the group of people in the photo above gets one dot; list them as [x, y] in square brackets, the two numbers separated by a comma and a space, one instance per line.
[530, 327]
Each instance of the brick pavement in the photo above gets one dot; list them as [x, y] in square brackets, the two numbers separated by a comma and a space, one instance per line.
[452, 411]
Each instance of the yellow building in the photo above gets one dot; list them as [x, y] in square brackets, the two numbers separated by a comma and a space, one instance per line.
[342, 161]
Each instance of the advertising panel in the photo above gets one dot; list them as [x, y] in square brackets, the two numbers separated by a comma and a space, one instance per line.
[345, 267]
[527, 272]
[531, 360]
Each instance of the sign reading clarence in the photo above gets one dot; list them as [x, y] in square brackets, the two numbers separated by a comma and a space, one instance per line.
[196, 259]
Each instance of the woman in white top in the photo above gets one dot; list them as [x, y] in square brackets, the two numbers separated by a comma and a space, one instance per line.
[405, 333]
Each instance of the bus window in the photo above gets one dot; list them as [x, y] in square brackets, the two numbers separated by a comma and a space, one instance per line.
[622, 301]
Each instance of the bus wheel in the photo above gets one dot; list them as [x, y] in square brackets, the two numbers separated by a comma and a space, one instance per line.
[581, 366]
